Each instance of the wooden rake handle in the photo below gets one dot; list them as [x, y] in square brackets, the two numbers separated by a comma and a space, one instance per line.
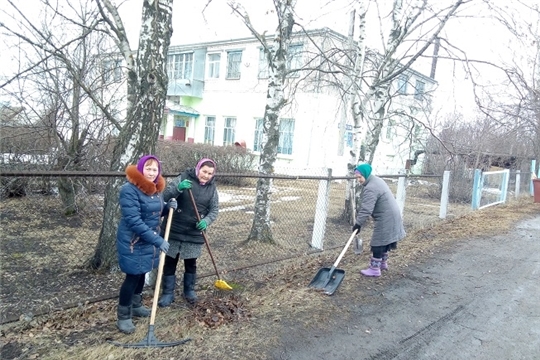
[160, 269]
[203, 233]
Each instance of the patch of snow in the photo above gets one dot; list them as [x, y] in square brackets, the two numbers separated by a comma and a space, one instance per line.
[232, 208]
[290, 198]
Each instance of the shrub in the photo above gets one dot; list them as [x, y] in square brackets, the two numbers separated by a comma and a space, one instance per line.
[178, 156]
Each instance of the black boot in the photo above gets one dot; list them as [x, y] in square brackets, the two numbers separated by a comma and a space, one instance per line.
[138, 309]
[124, 322]
[167, 296]
[189, 288]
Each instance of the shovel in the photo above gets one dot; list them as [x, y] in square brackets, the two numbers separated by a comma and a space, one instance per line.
[219, 284]
[329, 279]
[150, 339]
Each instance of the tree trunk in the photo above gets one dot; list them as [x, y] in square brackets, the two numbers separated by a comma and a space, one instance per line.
[147, 90]
[68, 188]
[349, 211]
[276, 56]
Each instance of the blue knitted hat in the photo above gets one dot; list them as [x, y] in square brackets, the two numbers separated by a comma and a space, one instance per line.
[364, 170]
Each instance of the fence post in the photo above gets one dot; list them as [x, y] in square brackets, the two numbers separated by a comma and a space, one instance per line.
[518, 183]
[533, 168]
[504, 185]
[321, 212]
[444, 194]
[476, 191]
[400, 194]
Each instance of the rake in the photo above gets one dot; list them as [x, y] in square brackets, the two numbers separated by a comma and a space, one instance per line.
[219, 284]
[150, 340]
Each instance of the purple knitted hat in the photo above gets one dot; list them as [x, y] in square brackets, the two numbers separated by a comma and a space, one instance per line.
[144, 159]
[201, 162]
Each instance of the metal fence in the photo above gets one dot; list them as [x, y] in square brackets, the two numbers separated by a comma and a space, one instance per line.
[43, 252]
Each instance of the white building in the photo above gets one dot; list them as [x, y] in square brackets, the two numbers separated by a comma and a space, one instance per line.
[217, 95]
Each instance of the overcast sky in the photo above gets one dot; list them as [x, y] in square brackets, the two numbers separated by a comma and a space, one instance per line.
[477, 36]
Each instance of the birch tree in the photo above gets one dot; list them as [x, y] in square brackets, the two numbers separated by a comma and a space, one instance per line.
[146, 94]
[276, 52]
[412, 22]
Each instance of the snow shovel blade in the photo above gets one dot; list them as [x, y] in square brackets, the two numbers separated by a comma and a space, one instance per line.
[151, 342]
[328, 280]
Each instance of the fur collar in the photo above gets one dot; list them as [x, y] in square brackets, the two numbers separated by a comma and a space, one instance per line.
[146, 186]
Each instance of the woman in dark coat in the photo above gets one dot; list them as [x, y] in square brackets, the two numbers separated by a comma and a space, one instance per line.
[377, 201]
[186, 236]
[138, 241]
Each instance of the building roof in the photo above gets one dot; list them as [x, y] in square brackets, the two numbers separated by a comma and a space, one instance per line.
[181, 110]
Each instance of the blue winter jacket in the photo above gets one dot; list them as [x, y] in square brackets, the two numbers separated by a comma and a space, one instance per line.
[138, 239]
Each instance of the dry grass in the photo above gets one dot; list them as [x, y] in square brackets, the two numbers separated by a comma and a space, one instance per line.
[264, 303]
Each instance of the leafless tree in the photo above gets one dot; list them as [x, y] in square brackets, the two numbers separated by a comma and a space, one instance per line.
[276, 53]
[505, 84]
[137, 124]
[414, 27]
[515, 102]
[56, 79]
[147, 82]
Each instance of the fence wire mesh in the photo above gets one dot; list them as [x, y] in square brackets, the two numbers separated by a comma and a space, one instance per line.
[44, 252]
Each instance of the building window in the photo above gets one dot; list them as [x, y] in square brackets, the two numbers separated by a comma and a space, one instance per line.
[234, 60]
[419, 90]
[180, 66]
[349, 135]
[286, 136]
[294, 58]
[209, 129]
[257, 143]
[263, 64]
[229, 131]
[213, 65]
[181, 121]
[402, 84]
[294, 61]
[112, 70]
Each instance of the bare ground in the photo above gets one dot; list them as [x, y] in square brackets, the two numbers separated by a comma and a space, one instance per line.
[246, 323]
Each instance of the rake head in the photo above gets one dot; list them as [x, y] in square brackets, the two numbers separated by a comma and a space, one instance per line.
[222, 285]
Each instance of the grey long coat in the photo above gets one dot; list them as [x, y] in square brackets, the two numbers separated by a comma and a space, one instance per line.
[379, 202]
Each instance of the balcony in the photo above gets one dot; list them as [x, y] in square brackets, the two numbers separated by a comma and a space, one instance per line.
[183, 87]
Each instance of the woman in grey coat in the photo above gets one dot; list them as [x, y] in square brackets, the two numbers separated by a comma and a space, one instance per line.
[378, 202]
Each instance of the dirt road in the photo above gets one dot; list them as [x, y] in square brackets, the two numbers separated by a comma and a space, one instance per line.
[479, 299]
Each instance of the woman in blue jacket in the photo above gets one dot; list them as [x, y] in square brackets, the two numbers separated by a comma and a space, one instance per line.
[138, 239]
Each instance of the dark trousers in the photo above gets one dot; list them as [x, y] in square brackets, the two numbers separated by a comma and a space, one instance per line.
[169, 268]
[133, 284]
[378, 251]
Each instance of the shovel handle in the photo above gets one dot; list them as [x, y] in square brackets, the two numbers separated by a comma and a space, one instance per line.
[344, 249]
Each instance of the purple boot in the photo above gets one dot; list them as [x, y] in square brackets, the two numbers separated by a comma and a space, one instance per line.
[384, 261]
[374, 268]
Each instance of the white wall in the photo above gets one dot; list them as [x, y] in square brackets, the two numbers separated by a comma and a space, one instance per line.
[316, 115]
